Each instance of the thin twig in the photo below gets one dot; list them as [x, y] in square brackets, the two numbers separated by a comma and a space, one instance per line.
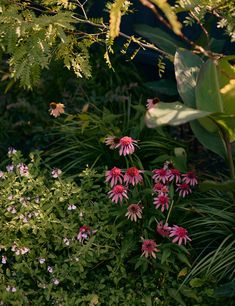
[201, 25]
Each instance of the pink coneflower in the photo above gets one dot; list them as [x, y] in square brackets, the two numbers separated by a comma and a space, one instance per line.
[180, 233]
[190, 178]
[114, 176]
[162, 200]
[132, 176]
[163, 229]
[126, 145]
[56, 109]
[112, 141]
[160, 188]
[184, 189]
[151, 102]
[134, 211]
[161, 175]
[149, 248]
[118, 193]
[174, 175]
[84, 233]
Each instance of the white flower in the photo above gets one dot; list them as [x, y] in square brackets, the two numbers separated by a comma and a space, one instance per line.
[55, 281]
[11, 151]
[4, 259]
[72, 207]
[2, 176]
[42, 260]
[50, 269]
[66, 241]
[13, 289]
[55, 173]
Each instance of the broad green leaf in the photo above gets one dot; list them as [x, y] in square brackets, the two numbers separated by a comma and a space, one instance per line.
[174, 113]
[164, 86]
[207, 91]
[159, 37]
[210, 141]
[183, 258]
[187, 66]
[227, 122]
[220, 186]
[165, 254]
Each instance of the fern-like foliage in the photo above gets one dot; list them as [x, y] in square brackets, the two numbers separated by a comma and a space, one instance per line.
[224, 10]
[32, 40]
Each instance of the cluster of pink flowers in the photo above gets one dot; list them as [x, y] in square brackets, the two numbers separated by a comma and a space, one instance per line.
[117, 180]
[165, 179]
[169, 175]
[85, 232]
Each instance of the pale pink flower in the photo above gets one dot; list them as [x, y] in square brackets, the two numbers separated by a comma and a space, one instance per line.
[174, 175]
[151, 102]
[10, 168]
[11, 151]
[126, 145]
[184, 189]
[190, 178]
[50, 269]
[133, 176]
[55, 173]
[134, 211]
[2, 175]
[114, 176]
[24, 170]
[160, 188]
[162, 200]
[180, 234]
[55, 281]
[4, 259]
[163, 229]
[118, 193]
[56, 109]
[112, 141]
[149, 248]
[161, 175]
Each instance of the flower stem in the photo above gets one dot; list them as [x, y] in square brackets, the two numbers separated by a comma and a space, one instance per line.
[169, 212]
[230, 157]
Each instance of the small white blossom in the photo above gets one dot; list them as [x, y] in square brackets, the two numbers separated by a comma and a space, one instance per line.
[55, 281]
[72, 207]
[11, 151]
[55, 173]
[2, 176]
[50, 269]
[66, 241]
[10, 168]
[4, 259]
[42, 260]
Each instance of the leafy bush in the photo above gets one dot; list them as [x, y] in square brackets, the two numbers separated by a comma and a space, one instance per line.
[68, 245]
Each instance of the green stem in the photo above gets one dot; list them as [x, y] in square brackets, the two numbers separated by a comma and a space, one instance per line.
[169, 212]
[230, 157]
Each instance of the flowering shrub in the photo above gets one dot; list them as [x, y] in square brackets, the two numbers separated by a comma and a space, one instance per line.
[167, 182]
[63, 244]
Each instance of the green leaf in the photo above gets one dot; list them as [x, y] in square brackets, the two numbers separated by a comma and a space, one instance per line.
[196, 282]
[227, 123]
[183, 259]
[165, 254]
[174, 113]
[164, 86]
[220, 186]
[210, 141]
[187, 66]
[207, 91]
[176, 296]
[159, 37]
